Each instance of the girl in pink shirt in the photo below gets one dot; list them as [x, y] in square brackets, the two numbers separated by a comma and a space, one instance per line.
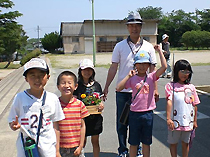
[181, 109]
[141, 109]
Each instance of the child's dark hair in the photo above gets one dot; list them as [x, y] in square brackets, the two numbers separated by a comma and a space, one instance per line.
[67, 73]
[182, 65]
[80, 78]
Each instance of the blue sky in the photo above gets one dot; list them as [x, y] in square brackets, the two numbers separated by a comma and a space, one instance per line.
[48, 14]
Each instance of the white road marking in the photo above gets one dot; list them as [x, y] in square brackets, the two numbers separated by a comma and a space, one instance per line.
[162, 114]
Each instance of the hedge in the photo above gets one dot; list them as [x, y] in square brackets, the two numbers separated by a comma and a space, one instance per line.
[29, 56]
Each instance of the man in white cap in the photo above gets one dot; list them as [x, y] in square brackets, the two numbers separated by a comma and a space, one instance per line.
[165, 47]
[123, 56]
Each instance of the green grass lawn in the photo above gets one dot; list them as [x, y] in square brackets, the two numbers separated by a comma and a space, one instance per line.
[11, 66]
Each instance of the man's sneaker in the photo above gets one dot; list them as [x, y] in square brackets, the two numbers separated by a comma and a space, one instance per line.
[139, 152]
[124, 154]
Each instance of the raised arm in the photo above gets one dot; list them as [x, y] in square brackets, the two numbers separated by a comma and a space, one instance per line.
[163, 67]
[121, 85]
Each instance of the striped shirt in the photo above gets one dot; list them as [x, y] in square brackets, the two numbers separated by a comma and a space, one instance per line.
[70, 127]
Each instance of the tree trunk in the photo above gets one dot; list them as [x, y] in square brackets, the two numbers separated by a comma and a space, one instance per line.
[6, 66]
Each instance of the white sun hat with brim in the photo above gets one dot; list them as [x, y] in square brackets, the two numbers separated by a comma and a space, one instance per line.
[165, 36]
[86, 63]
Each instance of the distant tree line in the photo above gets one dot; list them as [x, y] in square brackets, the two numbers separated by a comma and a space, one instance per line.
[185, 29]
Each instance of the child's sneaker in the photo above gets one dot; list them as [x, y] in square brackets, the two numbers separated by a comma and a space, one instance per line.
[124, 154]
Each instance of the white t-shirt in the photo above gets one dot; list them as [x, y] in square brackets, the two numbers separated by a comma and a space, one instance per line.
[123, 55]
[27, 108]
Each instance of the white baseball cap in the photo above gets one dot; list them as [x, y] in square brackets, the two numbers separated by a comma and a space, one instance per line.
[164, 36]
[86, 63]
[36, 63]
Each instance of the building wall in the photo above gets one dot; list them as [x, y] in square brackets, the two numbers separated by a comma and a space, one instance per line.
[105, 31]
[105, 28]
[73, 47]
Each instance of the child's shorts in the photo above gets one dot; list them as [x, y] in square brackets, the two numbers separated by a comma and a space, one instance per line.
[69, 152]
[175, 136]
[94, 124]
[140, 127]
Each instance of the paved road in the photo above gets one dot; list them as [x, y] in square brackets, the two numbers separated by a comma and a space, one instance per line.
[108, 139]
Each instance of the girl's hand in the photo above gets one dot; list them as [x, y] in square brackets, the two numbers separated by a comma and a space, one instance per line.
[14, 125]
[195, 125]
[101, 107]
[156, 95]
[77, 152]
[158, 48]
[170, 124]
[132, 73]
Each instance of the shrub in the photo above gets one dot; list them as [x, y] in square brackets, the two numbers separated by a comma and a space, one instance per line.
[196, 39]
[27, 57]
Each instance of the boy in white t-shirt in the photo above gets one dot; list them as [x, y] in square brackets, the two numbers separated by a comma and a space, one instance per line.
[26, 107]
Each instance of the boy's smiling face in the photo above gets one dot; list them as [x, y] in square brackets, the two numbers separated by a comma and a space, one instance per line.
[66, 85]
[37, 79]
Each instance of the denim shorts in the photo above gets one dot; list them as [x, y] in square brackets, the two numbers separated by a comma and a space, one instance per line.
[140, 127]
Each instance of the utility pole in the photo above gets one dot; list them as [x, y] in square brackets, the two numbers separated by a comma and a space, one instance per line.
[94, 36]
[38, 29]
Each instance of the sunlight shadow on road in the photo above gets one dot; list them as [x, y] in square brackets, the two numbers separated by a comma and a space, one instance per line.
[102, 154]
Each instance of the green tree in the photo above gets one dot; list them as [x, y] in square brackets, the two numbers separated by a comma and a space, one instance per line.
[196, 39]
[150, 12]
[189, 39]
[12, 34]
[175, 24]
[51, 41]
[204, 20]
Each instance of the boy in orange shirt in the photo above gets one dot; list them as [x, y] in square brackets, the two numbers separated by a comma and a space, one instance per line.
[72, 128]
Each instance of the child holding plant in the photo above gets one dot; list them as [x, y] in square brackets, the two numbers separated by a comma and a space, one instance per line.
[89, 92]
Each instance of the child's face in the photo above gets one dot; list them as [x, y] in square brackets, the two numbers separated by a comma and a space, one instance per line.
[142, 67]
[87, 73]
[66, 85]
[37, 79]
[183, 75]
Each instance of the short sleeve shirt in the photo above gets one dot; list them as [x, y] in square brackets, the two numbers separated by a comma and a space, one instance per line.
[27, 108]
[185, 98]
[70, 127]
[145, 100]
[123, 55]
